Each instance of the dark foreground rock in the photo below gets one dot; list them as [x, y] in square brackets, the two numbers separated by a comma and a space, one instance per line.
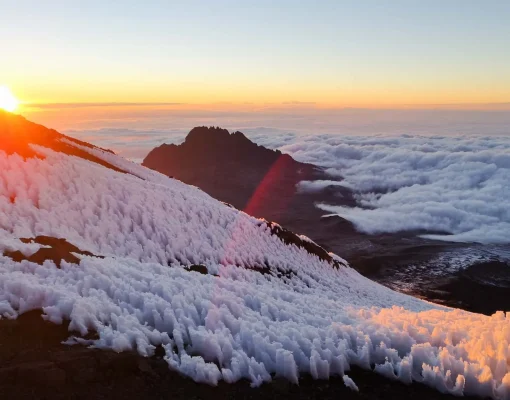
[35, 365]
[233, 169]
[483, 287]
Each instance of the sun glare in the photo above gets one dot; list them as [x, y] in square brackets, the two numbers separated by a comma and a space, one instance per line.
[7, 100]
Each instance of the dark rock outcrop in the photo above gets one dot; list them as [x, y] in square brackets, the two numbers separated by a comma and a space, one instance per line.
[259, 181]
[233, 169]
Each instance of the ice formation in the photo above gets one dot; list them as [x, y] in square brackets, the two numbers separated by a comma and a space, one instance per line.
[264, 308]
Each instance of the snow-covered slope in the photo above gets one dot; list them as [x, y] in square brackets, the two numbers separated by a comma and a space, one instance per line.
[224, 294]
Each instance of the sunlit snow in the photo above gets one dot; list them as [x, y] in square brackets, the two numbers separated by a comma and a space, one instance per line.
[234, 322]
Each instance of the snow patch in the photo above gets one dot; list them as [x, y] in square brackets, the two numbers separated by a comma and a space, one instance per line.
[350, 383]
[234, 322]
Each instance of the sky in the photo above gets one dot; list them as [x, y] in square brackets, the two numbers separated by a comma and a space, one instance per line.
[245, 54]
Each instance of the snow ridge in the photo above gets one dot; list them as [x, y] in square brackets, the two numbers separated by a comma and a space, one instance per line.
[236, 321]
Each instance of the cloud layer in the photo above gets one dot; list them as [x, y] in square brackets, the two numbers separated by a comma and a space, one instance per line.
[317, 186]
[450, 176]
[457, 187]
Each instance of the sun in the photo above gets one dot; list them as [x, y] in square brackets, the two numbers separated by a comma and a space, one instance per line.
[7, 100]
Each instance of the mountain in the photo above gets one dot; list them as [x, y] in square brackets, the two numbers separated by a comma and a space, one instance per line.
[217, 161]
[123, 258]
[257, 180]
[266, 183]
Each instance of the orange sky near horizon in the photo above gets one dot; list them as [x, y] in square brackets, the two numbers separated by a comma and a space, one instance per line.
[249, 96]
[328, 54]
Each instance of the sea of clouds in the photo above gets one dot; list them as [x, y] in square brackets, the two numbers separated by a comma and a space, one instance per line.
[443, 172]
[457, 187]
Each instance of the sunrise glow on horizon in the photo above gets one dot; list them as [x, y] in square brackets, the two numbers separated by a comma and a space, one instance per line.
[7, 100]
[326, 55]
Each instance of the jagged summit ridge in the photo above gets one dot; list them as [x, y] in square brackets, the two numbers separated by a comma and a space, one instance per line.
[217, 136]
[218, 161]
[202, 141]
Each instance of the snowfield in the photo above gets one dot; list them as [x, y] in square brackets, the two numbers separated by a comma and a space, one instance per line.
[264, 308]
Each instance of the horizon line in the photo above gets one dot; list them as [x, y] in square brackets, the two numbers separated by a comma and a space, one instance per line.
[496, 106]
[97, 104]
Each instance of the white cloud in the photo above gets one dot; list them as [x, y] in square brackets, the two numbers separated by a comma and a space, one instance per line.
[271, 126]
[133, 144]
[459, 186]
[317, 186]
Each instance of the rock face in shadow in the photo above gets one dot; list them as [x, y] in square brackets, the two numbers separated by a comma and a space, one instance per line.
[232, 168]
[252, 178]
[259, 181]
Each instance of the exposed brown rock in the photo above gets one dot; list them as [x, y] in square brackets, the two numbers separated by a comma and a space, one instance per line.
[60, 250]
